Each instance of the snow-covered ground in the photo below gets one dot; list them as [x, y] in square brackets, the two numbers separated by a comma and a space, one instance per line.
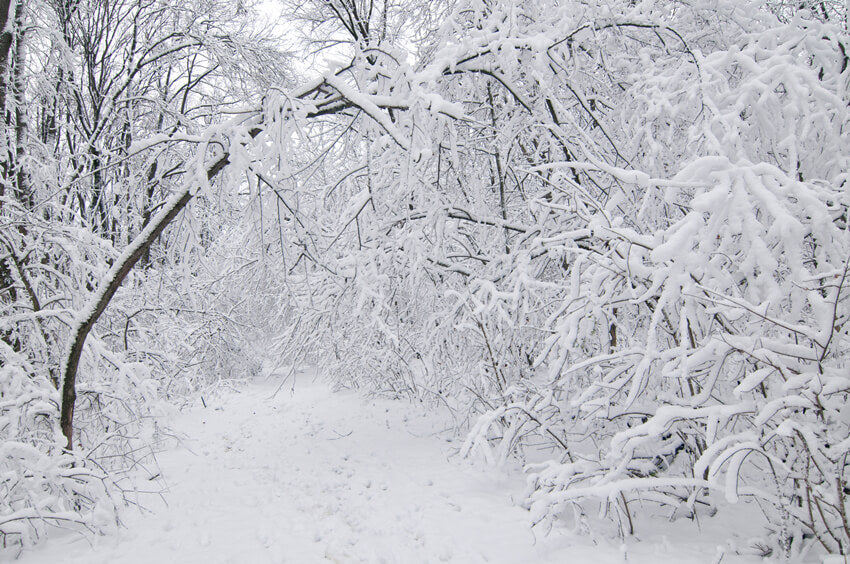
[316, 476]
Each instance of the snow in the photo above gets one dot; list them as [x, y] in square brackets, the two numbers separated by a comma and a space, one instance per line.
[315, 476]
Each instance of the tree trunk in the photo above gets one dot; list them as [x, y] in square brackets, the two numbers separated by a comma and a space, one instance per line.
[17, 115]
[11, 100]
[7, 36]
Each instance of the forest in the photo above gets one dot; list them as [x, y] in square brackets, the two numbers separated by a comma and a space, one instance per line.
[609, 237]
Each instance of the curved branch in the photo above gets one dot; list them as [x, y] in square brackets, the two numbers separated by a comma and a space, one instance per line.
[114, 278]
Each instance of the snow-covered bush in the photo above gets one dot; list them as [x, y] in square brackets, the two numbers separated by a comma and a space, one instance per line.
[619, 230]
[39, 485]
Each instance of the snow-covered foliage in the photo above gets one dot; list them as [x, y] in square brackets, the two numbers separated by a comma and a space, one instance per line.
[610, 236]
[41, 486]
[616, 230]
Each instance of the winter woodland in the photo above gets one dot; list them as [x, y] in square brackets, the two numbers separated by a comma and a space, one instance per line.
[609, 237]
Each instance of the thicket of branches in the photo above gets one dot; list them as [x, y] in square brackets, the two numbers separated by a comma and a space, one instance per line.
[611, 237]
[105, 104]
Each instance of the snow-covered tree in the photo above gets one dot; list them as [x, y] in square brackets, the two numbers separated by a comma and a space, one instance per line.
[610, 236]
[105, 106]
[619, 229]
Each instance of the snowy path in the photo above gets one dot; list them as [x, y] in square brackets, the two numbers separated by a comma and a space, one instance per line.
[321, 477]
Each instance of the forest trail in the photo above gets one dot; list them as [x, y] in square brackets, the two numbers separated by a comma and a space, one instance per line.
[315, 476]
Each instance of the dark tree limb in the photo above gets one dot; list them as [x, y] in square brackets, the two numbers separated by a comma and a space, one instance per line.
[113, 280]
